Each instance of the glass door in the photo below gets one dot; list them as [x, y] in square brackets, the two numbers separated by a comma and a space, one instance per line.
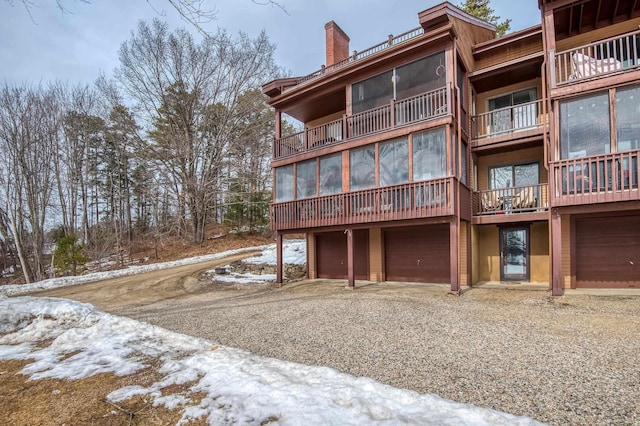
[514, 254]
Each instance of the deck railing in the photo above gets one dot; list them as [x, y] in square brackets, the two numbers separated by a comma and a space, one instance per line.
[597, 59]
[596, 179]
[413, 200]
[422, 107]
[391, 41]
[507, 120]
[517, 199]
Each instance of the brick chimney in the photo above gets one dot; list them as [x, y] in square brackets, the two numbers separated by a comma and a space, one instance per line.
[337, 43]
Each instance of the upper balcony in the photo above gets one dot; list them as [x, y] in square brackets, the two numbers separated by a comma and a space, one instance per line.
[502, 124]
[422, 107]
[596, 179]
[603, 58]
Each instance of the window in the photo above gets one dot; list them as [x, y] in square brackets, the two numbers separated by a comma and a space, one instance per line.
[627, 113]
[522, 115]
[513, 175]
[284, 183]
[408, 80]
[429, 155]
[362, 168]
[331, 174]
[306, 179]
[394, 162]
[584, 127]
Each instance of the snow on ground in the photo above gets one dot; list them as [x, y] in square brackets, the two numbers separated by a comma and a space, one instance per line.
[240, 388]
[294, 252]
[246, 278]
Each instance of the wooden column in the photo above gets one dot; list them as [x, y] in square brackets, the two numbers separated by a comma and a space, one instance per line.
[350, 270]
[279, 257]
[278, 129]
[556, 253]
[454, 254]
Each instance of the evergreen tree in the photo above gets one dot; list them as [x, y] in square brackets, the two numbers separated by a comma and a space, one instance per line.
[68, 254]
[480, 9]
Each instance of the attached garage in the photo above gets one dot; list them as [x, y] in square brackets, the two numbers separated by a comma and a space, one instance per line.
[417, 254]
[607, 252]
[331, 258]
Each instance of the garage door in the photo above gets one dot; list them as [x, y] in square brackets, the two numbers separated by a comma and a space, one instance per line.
[607, 252]
[331, 249]
[417, 254]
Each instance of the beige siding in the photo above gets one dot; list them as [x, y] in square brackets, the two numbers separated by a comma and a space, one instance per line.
[566, 250]
[375, 254]
[539, 254]
[488, 249]
[463, 260]
[475, 250]
[312, 270]
[326, 119]
[511, 157]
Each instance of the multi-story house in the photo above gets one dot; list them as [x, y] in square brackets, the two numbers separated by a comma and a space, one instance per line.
[448, 155]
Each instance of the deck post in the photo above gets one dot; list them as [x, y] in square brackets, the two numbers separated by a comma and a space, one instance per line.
[350, 270]
[279, 257]
[556, 253]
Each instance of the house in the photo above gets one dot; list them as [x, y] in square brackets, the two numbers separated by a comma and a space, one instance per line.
[448, 155]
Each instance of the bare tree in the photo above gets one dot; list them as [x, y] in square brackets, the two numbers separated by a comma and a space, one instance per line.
[189, 93]
[29, 126]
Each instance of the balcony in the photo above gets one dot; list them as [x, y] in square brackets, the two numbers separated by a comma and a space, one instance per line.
[422, 107]
[596, 179]
[415, 200]
[506, 123]
[594, 60]
[513, 200]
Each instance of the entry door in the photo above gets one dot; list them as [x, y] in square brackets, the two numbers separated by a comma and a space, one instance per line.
[514, 254]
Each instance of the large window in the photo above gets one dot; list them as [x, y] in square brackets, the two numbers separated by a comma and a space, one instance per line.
[522, 114]
[306, 179]
[513, 175]
[585, 127]
[362, 168]
[331, 174]
[429, 155]
[394, 162]
[628, 118]
[284, 183]
[408, 80]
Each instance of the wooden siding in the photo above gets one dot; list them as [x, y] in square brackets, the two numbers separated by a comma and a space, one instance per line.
[488, 249]
[475, 254]
[482, 99]
[468, 36]
[527, 155]
[599, 34]
[539, 257]
[376, 258]
[312, 270]
[519, 49]
[326, 119]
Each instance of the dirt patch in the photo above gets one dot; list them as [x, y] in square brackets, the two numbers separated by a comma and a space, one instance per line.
[57, 402]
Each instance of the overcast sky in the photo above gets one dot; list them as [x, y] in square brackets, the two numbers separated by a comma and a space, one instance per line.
[78, 46]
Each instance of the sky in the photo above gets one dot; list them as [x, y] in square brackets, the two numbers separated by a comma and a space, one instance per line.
[80, 45]
[70, 340]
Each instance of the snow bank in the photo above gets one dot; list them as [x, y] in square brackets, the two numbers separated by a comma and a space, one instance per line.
[294, 252]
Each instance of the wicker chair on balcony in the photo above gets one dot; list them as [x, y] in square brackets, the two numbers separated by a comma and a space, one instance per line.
[491, 202]
[525, 199]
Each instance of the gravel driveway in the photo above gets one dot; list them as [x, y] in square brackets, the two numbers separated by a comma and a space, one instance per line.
[568, 360]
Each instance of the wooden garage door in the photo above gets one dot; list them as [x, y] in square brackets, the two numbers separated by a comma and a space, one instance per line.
[417, 254]
[607, 252]
[331, 258]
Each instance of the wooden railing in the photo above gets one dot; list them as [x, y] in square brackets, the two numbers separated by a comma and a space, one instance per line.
[507, 120]
[517, 199]
[597, 179]
[422, 107]
[391, 41]
[413, 200]
[597, 59]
